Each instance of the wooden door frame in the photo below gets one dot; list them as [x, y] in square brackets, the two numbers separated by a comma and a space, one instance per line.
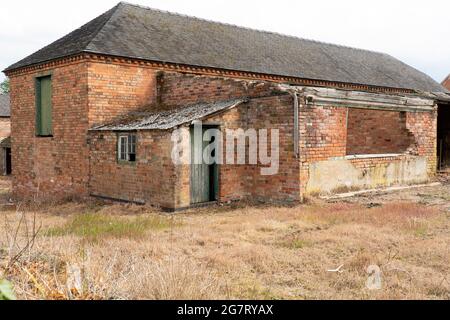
[216, 170]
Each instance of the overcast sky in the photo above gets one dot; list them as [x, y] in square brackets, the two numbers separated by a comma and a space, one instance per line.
[416, 32]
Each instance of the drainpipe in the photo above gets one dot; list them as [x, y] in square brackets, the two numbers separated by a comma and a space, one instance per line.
[294, 93]
[296, 125]
[297, 137]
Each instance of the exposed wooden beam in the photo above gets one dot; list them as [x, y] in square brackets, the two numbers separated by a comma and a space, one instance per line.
[316, 96]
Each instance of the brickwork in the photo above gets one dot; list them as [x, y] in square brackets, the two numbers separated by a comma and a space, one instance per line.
[172, 187]
[240, 181]
[446, 83]
[377, 132]
[88, 93]
[53, 166]
[324, 137]
[423, 126]
[150, 180]
[323, 134]
[115, 90]
[371, 163]
[178, 89]
[83, 94]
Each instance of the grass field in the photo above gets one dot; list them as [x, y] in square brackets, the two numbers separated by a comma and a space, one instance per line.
[96, 250]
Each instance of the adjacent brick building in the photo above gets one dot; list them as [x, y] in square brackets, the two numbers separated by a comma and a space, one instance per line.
[5, 135]
[446, 82]
[94, 113]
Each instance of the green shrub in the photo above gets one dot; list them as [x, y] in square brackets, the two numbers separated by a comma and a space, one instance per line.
[6, 290]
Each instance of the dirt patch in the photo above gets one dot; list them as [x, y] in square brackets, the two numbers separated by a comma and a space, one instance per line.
[430, 196]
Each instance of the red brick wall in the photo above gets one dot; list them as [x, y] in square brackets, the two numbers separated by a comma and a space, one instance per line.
[115, 90]
[323, 132]
[155, 180]
[241, 181]
[86, 93]
[324, 137]
[151, 179]
[56, 166]
[423, 126]
[377, 132]
[446, 83]
[183, 89]
[110, 179]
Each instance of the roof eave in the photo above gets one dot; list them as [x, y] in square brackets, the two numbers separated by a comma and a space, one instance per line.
[129, 127]
[12, 67]
[218, 72]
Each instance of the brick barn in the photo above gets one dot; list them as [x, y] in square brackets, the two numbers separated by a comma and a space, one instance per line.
[93, 114]
[446, 82]
[5, 135]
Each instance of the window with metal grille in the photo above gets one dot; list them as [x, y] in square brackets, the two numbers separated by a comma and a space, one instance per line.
[126, 149]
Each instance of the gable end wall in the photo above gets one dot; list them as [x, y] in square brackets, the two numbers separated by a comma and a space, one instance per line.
[51, 167]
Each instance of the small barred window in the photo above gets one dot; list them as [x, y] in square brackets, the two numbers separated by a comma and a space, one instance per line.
[127, 147]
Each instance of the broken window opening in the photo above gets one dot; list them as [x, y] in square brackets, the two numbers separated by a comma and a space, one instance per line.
[127, 147]
[378, 132]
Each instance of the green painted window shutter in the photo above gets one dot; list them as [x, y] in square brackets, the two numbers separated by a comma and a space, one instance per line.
[44, 125]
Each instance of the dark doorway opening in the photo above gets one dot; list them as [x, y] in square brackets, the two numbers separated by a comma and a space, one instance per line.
[204, 170]
[8, 165]
[443, 136]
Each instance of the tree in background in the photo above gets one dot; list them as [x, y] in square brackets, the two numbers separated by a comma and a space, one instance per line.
[4, 86]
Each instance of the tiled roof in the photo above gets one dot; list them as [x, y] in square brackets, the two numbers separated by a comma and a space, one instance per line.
[170, 119]
[5, 109]
[138, 32]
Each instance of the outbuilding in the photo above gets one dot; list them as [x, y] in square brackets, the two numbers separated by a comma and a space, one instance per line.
[122, 107]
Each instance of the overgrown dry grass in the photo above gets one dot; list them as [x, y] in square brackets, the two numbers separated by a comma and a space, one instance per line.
[95, 227]
[100, 251]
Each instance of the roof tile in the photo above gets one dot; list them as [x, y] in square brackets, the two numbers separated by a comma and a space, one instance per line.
[138, 32]
[5, 108]
[170, 119]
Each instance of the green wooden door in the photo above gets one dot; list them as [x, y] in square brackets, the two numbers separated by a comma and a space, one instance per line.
[44, 107]
[204, 176]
